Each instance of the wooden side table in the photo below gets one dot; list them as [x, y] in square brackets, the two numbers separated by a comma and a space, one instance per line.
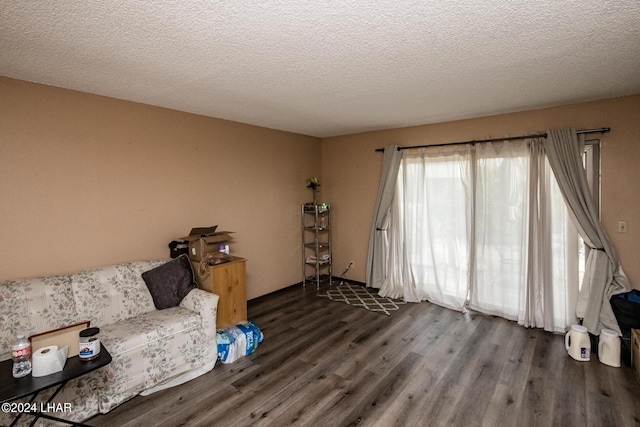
[228, 281]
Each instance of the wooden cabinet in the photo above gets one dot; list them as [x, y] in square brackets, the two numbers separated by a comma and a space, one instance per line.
[228, 281]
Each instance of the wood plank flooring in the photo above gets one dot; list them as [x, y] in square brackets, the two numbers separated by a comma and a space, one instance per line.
[324, 363]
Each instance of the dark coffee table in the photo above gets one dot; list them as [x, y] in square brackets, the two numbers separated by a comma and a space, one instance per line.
[15, 388]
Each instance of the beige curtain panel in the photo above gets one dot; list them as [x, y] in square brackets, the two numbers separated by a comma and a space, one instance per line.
[378, 241]
[603, 273]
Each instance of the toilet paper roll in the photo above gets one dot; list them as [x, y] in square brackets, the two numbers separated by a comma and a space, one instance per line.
[48, 360]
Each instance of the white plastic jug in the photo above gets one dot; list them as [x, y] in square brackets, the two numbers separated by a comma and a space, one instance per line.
[578, 343]
[609, 348]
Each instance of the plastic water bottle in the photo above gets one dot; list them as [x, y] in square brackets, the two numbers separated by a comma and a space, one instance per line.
[21, 353]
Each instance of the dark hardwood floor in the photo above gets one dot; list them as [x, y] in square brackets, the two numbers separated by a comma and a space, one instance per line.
[323, 363]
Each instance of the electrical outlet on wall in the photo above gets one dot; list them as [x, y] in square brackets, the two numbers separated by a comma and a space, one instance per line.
[622, 226]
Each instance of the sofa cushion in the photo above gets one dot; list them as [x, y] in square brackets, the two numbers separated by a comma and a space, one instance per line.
[150, 349]
[170, 282]
[126, 336]
[114, 293]
[32, 306]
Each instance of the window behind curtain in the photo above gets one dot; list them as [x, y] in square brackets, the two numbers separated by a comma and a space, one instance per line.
[501, 228]
[435, 199]
[591, 161]
[465, 216]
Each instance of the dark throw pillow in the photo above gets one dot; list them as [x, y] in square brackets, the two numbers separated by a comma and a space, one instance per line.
[170, 282]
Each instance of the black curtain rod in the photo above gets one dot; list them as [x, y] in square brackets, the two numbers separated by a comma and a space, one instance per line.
[508, 138]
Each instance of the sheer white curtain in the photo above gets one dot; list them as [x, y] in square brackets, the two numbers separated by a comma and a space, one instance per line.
[552, 275]
[501, 223]
[430, 229]
[483, 227]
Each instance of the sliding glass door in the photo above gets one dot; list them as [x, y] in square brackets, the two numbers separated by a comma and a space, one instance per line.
[501, 228]
[434, 198]
[484, 227]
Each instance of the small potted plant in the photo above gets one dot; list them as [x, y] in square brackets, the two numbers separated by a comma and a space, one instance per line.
[313, 184]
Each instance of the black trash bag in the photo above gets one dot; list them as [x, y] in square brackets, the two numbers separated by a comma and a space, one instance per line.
[626, 308]
[178, 247]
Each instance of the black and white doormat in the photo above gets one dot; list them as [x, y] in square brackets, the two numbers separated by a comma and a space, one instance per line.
[360, 296]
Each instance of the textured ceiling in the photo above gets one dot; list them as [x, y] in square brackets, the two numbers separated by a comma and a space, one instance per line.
[325, 67]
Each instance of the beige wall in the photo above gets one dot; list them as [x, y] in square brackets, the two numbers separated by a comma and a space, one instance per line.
[351, 170]
[87, 181]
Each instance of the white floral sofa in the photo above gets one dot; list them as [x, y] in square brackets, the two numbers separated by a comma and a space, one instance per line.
[149, 347]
